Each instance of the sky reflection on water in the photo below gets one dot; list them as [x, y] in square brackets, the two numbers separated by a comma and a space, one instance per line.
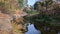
[32, 30]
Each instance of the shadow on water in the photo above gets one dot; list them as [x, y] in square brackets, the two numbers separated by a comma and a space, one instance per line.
[32, 30]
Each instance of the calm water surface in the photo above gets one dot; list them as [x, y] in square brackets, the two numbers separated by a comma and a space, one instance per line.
[32, 30]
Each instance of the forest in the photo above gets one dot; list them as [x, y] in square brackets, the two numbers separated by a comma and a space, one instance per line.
[17, 15]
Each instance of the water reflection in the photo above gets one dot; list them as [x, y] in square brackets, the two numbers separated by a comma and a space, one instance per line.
[32, 30]
[59, 32]
[44, 30]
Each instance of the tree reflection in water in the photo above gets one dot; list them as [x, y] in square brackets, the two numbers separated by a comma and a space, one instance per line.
[32, 30]
[47, 29]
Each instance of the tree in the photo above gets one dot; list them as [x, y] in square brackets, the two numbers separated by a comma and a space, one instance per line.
[20, 3]
[25, 3]
[50, 13]
[11, 6]
[42, 5]
[48, 17]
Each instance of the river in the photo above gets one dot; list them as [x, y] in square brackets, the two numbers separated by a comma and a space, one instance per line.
[32, 30]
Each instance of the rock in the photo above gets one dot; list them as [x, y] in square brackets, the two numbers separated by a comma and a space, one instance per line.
[5, 24]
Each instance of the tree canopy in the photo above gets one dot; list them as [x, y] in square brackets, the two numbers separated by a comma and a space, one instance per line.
[49, 13]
